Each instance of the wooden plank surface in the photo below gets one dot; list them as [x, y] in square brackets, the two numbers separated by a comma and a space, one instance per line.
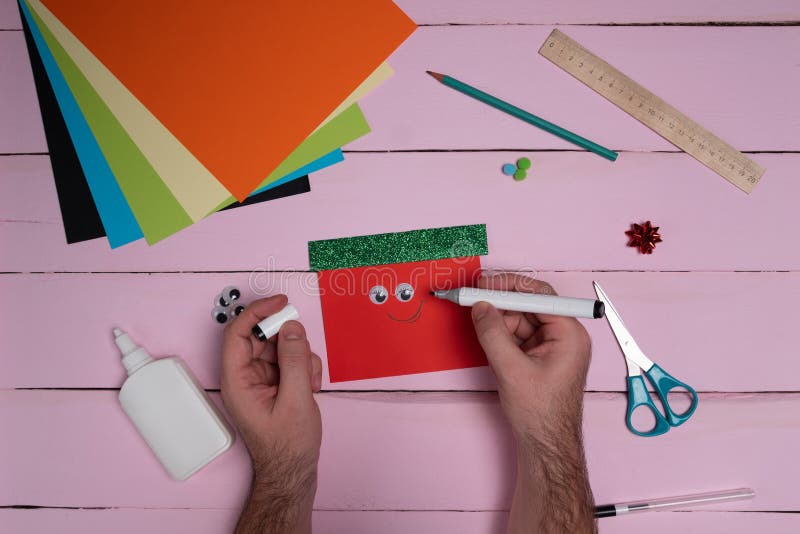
[425, 444]
[205, 521]
[21, 130]
[588, 12]
[687, 66]
[691, 68]
[563, 12]
[9, 15]
[713, 330]
[570, 214]
[398, 451]
[391, 460]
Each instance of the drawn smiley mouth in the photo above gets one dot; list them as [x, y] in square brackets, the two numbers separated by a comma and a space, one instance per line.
[414, 317]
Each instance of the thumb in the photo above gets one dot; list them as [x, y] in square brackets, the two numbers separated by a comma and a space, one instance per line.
[294, 362]
[496, 340]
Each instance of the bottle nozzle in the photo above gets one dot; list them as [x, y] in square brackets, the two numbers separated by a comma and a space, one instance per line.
[133, 356]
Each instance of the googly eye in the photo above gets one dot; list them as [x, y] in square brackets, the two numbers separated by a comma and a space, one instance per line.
[378, 294]
[237, 308]
[404, 292]
[228, 295]
[219, 314]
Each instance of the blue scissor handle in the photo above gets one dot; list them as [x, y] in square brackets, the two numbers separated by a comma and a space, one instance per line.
[638, 396]
[663, 383]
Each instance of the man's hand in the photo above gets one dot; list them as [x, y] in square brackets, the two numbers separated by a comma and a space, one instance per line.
[540, 362]
[267, 389]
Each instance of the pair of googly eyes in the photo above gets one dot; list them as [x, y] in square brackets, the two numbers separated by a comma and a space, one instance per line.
[227, 305]
[379, 294]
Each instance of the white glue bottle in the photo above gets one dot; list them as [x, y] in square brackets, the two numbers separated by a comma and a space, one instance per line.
[171, 412]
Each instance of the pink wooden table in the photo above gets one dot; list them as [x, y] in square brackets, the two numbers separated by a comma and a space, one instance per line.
[431, 453]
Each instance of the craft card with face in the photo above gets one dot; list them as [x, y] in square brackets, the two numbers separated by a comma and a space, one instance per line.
[380, 319]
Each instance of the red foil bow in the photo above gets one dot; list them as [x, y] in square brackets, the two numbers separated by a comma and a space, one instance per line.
[644, 237]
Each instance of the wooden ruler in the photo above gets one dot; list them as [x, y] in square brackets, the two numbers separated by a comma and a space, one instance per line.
[652, 111]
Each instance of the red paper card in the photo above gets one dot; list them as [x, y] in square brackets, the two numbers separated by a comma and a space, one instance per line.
[240, 84]
[366, 339]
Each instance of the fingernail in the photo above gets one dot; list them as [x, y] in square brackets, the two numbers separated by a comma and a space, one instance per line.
[292, 330]
[479, 310]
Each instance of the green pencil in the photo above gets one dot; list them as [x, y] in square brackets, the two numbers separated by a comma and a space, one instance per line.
[530, 118]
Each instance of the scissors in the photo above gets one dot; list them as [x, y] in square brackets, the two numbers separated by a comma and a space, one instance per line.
[662, 382]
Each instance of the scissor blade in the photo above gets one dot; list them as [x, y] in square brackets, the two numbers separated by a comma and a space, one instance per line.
[626, 342]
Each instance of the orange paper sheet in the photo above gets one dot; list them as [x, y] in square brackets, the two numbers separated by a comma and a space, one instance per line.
[240, 84]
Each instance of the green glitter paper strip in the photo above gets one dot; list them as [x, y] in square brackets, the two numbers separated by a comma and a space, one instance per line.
[398, 247]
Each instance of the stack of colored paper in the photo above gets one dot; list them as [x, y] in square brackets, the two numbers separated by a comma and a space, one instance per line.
[161, 113]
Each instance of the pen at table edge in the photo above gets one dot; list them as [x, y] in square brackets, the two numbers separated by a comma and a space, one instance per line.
[668, 503]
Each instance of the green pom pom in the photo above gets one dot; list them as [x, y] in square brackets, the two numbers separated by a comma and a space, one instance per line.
[524, 163]
[520, 175]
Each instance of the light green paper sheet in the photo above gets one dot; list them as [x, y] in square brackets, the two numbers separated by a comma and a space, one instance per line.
[155, 208]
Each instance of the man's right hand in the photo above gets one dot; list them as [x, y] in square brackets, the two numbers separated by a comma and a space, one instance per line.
[540, 362]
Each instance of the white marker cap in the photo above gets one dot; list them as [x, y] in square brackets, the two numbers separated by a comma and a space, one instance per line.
[270, 326]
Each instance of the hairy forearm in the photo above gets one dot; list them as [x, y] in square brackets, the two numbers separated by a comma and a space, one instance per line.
[552, 492]
[281, 498]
